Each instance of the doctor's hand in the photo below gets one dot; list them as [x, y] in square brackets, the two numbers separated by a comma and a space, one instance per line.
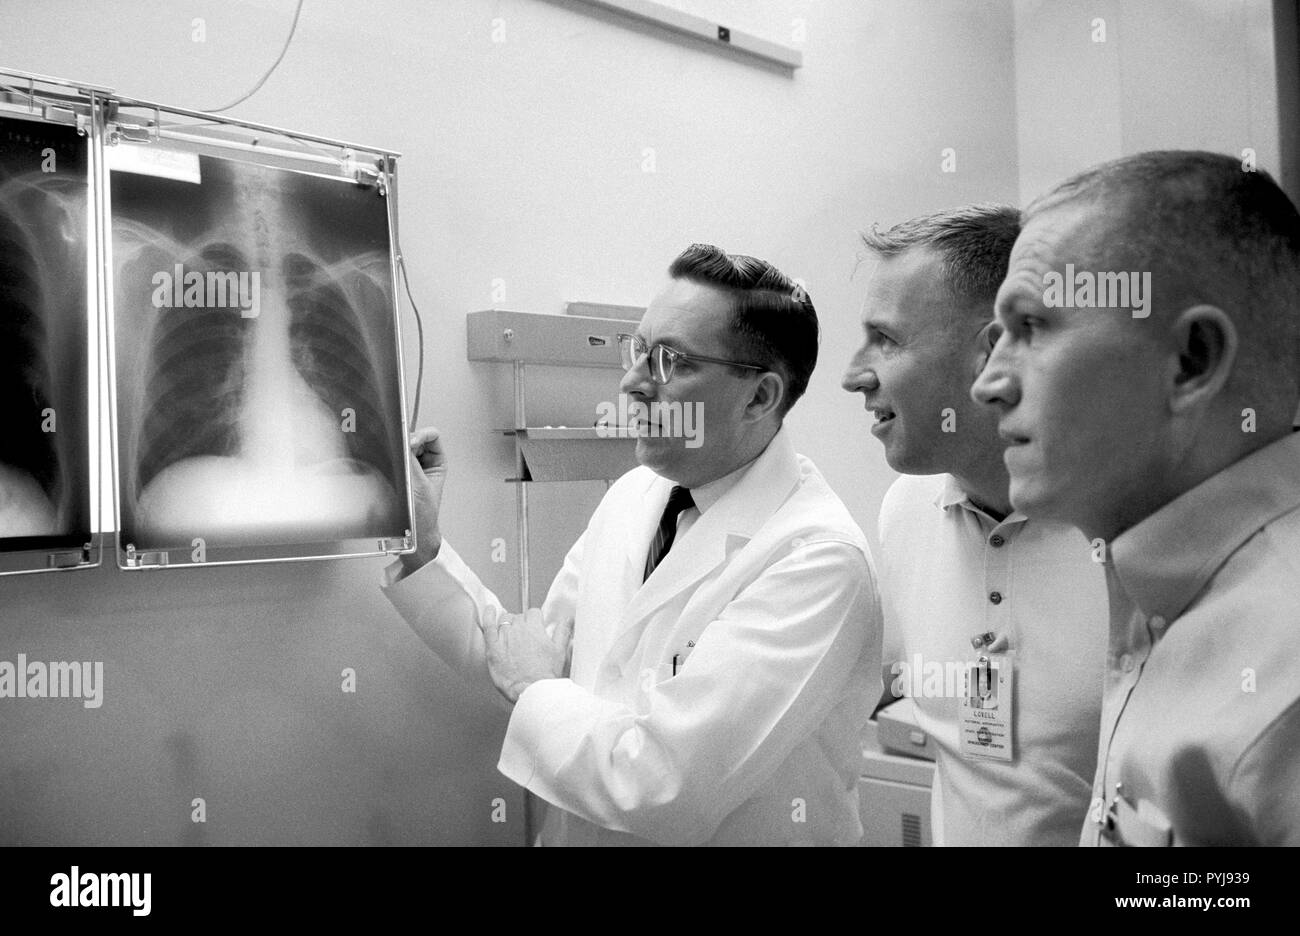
[519, 651]
[428, 473]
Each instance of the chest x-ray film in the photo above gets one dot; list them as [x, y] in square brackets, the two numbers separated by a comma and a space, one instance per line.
[259, 410]
[45, 465]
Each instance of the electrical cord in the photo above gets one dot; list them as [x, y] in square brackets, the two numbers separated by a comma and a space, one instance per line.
[276, 64]
[419, 328]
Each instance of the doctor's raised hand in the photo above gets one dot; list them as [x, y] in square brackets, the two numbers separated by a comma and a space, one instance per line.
[428, 473]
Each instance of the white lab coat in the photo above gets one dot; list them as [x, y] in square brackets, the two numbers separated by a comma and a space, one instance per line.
[769, 602]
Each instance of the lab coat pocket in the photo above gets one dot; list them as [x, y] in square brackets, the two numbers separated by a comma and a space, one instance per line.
[651, 679]
[679, 657]
[653, 676]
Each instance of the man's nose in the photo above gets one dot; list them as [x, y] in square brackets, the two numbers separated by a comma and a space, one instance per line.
[859, 377]
[997, 384]
[637, 379]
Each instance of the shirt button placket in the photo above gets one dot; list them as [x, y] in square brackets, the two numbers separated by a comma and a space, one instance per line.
[997, 577]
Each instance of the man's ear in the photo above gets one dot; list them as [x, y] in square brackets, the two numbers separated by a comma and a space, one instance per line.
[1205, 338]
[988, 337]
[768, 395]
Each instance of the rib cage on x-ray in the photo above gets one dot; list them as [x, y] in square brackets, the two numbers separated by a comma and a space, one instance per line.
[330, 349]
[195, 382]
[232, 422]
[197, 374]
[43, 314]
[24, 368]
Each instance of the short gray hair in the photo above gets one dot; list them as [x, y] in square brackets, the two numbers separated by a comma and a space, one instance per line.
[974, 241]
[1210, 230]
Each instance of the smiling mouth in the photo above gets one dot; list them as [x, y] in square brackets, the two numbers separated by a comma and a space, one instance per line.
[882, 415]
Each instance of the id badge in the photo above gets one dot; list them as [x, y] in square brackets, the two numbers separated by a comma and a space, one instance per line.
[984, 717]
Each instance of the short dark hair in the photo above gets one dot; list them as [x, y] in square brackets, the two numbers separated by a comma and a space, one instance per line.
[974, 241]
[772, 316]
[1210, 229]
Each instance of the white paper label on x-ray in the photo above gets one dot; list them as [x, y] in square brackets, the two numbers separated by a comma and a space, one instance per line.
[152, 160]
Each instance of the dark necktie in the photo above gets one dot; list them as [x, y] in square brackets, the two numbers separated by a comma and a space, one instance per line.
[680, 499]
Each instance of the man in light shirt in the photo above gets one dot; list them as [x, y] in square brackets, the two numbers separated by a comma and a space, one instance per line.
[721, 602]
[1146, 382]
[995, 626]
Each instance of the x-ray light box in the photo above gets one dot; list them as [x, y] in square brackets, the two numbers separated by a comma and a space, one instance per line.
[257, 377]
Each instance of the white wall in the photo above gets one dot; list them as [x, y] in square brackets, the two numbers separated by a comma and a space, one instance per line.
[1170, 74]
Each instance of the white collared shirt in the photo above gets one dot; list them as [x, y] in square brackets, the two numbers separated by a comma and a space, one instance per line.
[1200, 741]
[706, 495]
[950, 572]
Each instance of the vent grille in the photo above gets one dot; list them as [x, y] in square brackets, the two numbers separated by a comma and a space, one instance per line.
[911, 830]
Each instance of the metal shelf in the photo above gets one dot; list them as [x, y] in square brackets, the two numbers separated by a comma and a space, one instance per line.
[552, 453]
[506, 337]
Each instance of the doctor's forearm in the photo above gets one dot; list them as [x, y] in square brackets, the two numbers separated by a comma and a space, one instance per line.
[646, 799]
[442, 603]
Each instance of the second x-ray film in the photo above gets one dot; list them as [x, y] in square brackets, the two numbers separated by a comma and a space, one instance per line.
[257, 374]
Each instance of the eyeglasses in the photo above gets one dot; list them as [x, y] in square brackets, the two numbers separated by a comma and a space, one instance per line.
[663, 359]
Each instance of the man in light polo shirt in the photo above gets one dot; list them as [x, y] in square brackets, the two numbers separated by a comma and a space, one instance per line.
[995, 626]
[1158, 419]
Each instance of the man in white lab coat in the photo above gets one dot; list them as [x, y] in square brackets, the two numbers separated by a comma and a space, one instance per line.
[722, 602]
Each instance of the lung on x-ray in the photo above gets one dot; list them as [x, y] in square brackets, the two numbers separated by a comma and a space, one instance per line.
[44, 312]
[257, 373]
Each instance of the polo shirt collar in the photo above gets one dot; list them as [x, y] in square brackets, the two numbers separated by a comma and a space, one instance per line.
[1165, 560]
[951, 494]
